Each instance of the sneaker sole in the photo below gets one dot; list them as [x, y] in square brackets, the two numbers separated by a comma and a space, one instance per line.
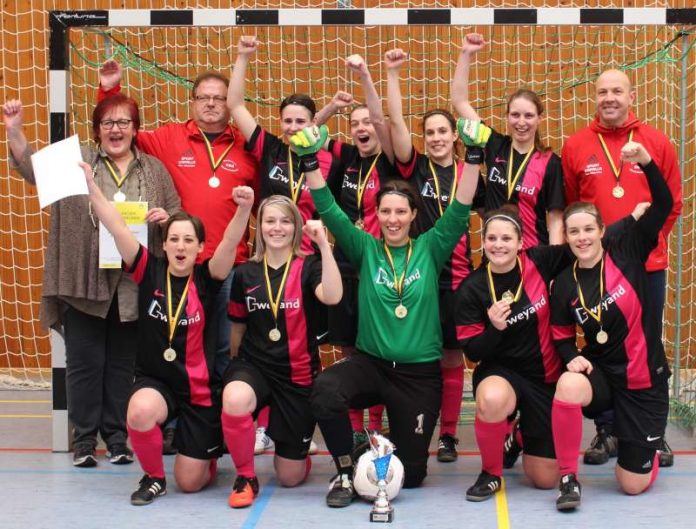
[448, 458]
[471, 497]
[338, 504]
[85, 462]
[568, 506]
[138, 502]
[121, 460]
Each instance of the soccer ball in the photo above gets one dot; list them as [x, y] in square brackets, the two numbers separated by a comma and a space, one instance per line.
[365, 478]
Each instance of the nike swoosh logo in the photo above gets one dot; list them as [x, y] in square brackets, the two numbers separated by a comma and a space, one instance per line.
[498, 159]
[210, 450]
[650, 438]
[158, 293]
[306, 439]
[320, 336]
[250, 290]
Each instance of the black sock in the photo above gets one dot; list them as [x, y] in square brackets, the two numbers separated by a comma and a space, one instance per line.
[338, 435]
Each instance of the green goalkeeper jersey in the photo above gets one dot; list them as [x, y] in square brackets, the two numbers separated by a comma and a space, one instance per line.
[418, 336]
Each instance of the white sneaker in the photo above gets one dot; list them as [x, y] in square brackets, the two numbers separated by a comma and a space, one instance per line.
[313, 448]
[263, 442]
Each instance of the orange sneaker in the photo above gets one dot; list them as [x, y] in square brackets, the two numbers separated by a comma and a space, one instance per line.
[243, 492]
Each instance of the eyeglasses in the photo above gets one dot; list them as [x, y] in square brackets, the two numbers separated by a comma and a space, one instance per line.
[108, 124]
[217, 100]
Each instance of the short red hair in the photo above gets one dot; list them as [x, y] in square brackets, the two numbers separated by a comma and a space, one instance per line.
[108, 104]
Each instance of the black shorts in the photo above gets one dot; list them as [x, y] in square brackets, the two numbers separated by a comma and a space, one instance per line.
[410, 392]
[198, 430]
[534, 399]
[449, 329]
[343, 318]
[640, 418]
[291, 422]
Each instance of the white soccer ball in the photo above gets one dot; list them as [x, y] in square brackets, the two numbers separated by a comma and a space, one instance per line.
[365, 477]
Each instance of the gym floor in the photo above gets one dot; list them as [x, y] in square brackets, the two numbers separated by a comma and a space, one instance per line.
[44, 490]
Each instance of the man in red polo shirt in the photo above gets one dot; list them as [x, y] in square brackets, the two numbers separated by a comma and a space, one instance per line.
[593, 172]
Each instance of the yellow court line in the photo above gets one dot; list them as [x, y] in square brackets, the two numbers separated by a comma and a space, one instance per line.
[37, 416]
[501, 507]
[25, 401]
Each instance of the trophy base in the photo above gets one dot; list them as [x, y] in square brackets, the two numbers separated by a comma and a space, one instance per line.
[382, 516]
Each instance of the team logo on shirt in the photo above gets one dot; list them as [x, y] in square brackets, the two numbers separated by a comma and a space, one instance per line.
[155, 311]
[385, 278]
[593, 167]
[230, 165]
[252, 304]
[495, 177]
[609, 299]
[528, 311]
[428, 191]
[348, 184]
[187, 159]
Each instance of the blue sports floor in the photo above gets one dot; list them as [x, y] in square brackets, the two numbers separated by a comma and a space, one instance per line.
[42, 489]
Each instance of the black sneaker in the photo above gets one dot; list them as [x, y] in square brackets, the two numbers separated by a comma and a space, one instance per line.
[148, 489]
[168, 448]
[341, 491]
[665, 454]
[119, 454]
[447, 449]
[511, 448]
[569, 493]
[602, 447]
[486, 485]
[85, 456]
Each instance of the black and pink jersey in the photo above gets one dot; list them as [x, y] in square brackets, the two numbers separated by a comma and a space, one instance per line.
[633, 356]
[295, 357]
[274, 173]
[352, 166]
[538, 190]
[192, 374]
[418, 171]
[525, 345]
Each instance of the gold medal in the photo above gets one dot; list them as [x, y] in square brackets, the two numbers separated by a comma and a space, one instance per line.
[618, 191]
[508, 297]
[401, 311]
[214, 182]
[360, 224]
[169, 354]
[602, 337]
[274, 335]
[119, 196]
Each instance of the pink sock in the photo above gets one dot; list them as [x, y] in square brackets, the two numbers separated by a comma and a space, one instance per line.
[490, 437]
[262, 418]
[148, 447]
[356, 419]
[655, 471]
[452, 387]
[375, 417]
[240, 438]
[566, 424]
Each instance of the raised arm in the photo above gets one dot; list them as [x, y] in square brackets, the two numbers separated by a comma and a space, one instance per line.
[126, 243]
[13, 118]
[374, 104]
[307, 143]
[474, 134]
[222, 260]
[473, 42]
[338, 102]
[400, 135]
[330, 290]
[244, 121]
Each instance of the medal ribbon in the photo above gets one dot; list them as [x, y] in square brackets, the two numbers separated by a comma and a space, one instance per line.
[119, 182]
[275, 300]
[491, 285]
[453, 186]
[607, 155]
[399, 281]
[598, 316]
[214, 164]
[295, 189]
[512, 182]
[362, 185]
[173, 321]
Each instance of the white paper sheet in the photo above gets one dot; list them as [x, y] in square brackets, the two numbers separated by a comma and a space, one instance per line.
[57, 172]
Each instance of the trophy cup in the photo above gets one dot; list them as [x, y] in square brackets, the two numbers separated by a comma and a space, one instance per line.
[382, 450]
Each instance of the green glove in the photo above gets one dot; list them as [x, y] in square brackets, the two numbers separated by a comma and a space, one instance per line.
[309, 140]
[473, 132]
